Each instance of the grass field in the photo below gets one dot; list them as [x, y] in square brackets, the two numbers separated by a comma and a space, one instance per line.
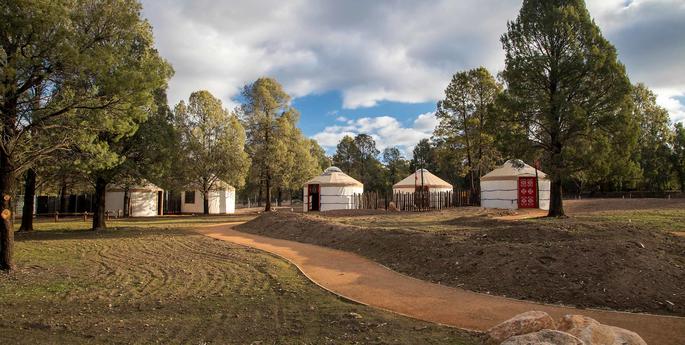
[154, 282]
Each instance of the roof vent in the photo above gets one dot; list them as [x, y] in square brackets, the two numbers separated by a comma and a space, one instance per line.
[332, 170]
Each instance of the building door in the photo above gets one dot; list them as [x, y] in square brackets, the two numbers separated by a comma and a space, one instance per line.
[314, 197]
[527, 193]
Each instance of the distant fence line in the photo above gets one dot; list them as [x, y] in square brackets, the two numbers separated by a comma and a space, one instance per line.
[416, 201]
[627, 195]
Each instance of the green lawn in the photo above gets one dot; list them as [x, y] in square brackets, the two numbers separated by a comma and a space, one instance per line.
[151, 281]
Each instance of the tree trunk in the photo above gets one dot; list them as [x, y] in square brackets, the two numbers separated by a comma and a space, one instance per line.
[29, 195]
[280, 197]
[267, 208]
[127, 203]
[99, 209]
[205, 203]
[259, 198]
[556, 207]
[6, 231]
[63, 199]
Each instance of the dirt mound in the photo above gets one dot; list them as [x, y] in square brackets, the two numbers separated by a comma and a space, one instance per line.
[571, 262]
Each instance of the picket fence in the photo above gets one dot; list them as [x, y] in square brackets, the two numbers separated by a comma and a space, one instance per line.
[418, 201]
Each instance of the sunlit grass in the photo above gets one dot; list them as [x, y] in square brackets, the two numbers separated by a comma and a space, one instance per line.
[181, 221]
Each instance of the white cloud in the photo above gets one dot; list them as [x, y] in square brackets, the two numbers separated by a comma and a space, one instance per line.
[387, 131]
[370, 51]
[667, 99]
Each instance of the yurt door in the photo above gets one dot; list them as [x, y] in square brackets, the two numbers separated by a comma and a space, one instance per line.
[314, 197]
[527, 193]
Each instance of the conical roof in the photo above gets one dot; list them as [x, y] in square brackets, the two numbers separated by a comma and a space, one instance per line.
[512, 169]
[333, 176]
[429, 180]
[142, 186]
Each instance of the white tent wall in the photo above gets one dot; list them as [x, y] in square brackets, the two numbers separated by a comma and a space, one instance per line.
[544, 187]
[334, 197]
[504, 193]
[499, 194]
[220, 202]
[143, 203]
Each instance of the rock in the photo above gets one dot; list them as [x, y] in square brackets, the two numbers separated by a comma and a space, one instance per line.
[527, 322]
[544, 337]
[592, 332]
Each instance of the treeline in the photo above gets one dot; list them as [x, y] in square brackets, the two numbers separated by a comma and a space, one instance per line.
[84, 108]
[563, 99]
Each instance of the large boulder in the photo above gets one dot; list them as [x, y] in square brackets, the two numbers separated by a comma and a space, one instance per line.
[544, 337]
[525, 323]
[592, 332]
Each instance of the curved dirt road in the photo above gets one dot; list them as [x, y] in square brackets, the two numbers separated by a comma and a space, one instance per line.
[367, 282]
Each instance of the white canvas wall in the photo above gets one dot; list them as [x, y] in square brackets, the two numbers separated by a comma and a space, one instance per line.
[504, 194]
[335, 197]
[220, 202]
[143, 204]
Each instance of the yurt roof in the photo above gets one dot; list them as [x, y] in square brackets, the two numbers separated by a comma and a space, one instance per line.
[429, 180]
[143, 186]
[511, 170]
[333, 176]
[218, 185]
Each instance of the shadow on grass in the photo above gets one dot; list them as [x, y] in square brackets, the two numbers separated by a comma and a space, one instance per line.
[111, 233]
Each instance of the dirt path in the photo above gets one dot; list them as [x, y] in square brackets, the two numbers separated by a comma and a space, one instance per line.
[367, 282]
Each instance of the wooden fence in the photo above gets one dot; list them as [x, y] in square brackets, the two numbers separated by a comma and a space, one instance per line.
[418, 201]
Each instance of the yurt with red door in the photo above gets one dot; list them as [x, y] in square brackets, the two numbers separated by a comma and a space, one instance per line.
[514, 185]
[332, 190]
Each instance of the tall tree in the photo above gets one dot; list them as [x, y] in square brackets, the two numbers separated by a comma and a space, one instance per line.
[423, 156]
[467, 123]
[358, 157]
[212, 142]
[90, 64]
[138, 158]
[654, 138]
[320, 154]
[567, 83]
[345, 155]
[265, 102]
[397, 167]
[299, 165]
[679, 154]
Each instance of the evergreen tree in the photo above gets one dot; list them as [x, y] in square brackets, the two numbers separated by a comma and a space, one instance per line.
[213, 144]
[91, 66]
[567, 84]
[467, 124]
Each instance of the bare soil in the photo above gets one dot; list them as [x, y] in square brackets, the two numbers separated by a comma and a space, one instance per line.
[585, 261]
[171, 286]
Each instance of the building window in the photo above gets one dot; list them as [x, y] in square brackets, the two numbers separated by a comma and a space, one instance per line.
[190, 197]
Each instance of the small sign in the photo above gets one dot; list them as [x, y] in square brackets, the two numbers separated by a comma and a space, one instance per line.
[6, 214]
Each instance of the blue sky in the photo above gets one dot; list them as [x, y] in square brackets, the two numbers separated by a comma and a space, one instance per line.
[379, 67]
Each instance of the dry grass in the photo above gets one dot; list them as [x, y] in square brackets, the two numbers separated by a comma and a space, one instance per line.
[150, 281]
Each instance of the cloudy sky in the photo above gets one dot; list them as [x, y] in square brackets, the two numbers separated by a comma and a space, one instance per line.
[378, 67]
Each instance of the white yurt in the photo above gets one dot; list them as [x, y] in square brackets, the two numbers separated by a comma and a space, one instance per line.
[421, 177]
[221, 200]
[512, 185]
[146, 200]
[332, 190]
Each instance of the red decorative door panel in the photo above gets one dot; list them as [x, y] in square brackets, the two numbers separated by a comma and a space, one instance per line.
[527, 193]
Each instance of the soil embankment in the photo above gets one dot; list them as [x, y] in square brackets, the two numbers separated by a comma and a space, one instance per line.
[570, 262]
